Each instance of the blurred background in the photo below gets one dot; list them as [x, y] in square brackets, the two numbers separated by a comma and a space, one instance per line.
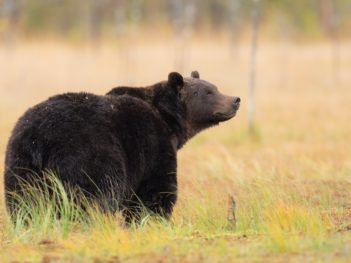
[94, 20]
[289, 60]
[286, 156]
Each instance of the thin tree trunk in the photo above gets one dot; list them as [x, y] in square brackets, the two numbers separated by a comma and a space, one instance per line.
[235, 29]
[329, 19]
[11, 9]
[182, 15]
[336, 46]
[252, 77]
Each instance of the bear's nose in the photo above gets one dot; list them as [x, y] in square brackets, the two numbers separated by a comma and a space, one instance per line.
[236, 100]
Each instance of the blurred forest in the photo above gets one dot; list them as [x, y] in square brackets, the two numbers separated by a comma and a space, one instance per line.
[79, 19]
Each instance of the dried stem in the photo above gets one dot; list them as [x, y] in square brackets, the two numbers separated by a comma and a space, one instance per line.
[231, 212]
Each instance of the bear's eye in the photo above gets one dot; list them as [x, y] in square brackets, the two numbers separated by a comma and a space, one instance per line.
[208, 92]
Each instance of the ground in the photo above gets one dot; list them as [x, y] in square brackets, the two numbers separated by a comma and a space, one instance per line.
[290, 180]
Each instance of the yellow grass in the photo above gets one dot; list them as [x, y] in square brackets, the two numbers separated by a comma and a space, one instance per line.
[291, 181]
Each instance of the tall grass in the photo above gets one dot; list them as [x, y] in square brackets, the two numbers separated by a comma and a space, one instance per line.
[275, 214]
[43, 205]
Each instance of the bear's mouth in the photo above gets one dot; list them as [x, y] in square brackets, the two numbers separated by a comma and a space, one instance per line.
[224, 116]
[220, 116]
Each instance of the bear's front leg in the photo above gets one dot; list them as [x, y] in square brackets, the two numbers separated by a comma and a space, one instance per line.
[159, 194]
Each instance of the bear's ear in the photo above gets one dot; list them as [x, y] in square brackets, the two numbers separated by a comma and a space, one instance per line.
[175, 80]
[195, 74]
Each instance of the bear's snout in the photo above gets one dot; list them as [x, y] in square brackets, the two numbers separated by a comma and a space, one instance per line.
[226, 108]
[236, 102]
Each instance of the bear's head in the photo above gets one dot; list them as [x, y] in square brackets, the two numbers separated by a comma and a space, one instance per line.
[204, 105]
[187, 105]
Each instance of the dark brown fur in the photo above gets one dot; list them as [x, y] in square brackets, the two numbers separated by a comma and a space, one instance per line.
[123, 144]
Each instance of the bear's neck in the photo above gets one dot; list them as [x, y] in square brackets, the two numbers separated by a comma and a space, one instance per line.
[177, 127]
[172, 112]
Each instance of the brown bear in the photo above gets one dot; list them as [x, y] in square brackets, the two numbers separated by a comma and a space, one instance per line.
[121, 146]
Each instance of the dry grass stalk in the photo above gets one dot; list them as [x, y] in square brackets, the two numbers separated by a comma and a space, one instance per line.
[231, 212]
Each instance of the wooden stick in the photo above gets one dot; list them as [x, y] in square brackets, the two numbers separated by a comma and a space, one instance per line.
[231, 212]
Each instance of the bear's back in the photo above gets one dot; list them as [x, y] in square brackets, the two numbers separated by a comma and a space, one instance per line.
[81, 132]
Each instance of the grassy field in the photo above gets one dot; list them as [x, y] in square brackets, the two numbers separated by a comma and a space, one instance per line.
[291, 180]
